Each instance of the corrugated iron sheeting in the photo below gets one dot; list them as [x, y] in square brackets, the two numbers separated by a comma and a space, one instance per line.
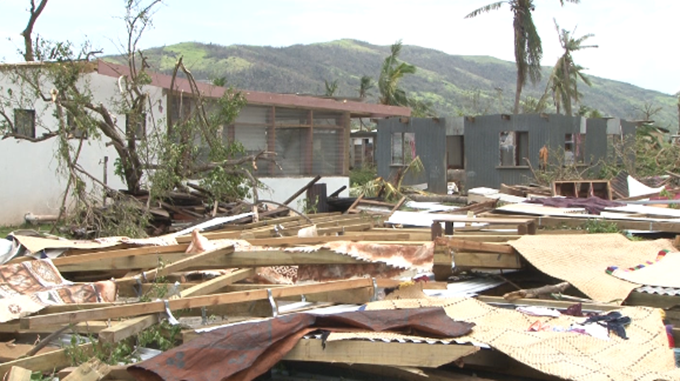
[670, 291]
[430, 146]
[482, 144]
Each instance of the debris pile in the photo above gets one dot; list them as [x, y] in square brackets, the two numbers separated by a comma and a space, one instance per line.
[504, 286]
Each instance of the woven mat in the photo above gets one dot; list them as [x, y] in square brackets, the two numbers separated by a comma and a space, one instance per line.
[660, 272]
[582, 260]
[645, 356]
[28, 287]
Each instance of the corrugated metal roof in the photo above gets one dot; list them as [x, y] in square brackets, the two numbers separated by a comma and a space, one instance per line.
[466, 288]
[670, 291]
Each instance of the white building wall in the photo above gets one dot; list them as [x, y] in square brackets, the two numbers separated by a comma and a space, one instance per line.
[32, 181]
[280, 188]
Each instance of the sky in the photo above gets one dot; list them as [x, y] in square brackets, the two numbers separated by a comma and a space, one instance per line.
[637, 39]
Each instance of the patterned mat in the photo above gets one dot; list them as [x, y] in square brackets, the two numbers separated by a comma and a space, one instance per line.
[661, 272]
[645, 356]
[582, 260]
[30, 286]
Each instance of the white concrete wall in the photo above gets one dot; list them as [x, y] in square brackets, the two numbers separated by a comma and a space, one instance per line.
[31, 181]
[280, 188]
[29, 171]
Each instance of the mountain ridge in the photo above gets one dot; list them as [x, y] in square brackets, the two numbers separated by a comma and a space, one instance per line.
[453, 84]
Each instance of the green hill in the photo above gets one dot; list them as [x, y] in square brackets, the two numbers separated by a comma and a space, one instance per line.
[453, 84]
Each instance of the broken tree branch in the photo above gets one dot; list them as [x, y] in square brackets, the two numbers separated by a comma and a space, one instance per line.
[536, 292]
[28, 40]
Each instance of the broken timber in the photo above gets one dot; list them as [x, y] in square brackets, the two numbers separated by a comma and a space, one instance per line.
[239, 259]
[137, 309]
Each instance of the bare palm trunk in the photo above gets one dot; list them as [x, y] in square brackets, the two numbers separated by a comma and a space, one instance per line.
[518, 95]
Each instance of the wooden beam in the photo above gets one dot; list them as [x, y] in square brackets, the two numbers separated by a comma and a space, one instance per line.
[466, 245]
[379, 353]
[93, 370]
[136, 325]
[13, 351]
[190, 302]
[157, 250]
[238, 259]
[215, 284]
[17, 373]
[89, 327]
[499, 300]
[167, 269]
[309, 184]
[297, 241]
[127, 328]
[486, 260]
[664, 226]
[45, 362]
[116, 372]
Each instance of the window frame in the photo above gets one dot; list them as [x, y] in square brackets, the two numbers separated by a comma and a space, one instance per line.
[403, 148]
[520, 149]
[16, 130]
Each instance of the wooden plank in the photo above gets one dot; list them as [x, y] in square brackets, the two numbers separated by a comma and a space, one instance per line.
[136, 325]
[487, 220]
[90, 327]
[12, 351]
[460, 244]
[486, 260]
[167, 269]
[379, 353]
[498, 300]
[665, 226]
[359, 236]
[127, 328]
[116, 372]
[238, 259]
[217, 283]
[17, 373]
[304, 188]
[93, 370]
[190, 302]
[73, 259]
[45, 362]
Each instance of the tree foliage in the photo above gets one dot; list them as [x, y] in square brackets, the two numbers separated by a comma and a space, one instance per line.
[563, 82]
[527, 42]
[391, 73]
[155, 154]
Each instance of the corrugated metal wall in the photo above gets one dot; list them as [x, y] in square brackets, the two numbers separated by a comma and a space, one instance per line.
[430, 143]
[482, 149]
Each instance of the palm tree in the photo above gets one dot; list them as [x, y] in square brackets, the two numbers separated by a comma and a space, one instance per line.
[331, 87]
[365, 86]
[391, 73]
[565, 75]
[528, 49]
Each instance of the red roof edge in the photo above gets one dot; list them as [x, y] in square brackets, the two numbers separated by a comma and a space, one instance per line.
[356, 109]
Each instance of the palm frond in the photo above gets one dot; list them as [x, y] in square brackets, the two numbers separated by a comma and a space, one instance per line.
[485, 9]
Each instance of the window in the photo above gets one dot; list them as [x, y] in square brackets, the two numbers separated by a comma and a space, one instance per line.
[455, 152]
[403, 148]
[514, 147]
[72, 124]
[139, 122]
[574, 148]
[24, 122]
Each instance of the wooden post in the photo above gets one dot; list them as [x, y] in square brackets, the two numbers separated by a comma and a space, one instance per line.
[448, 228]
[436, 230]
[271, 138]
